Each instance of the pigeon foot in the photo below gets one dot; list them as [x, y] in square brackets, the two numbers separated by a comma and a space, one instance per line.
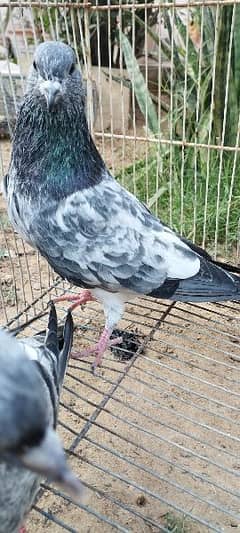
[78, 299]
[98, 349]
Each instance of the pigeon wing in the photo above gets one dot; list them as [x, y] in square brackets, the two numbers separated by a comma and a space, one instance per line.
[104, 237]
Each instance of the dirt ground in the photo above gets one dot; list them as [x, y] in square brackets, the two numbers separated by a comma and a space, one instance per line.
[156, 438]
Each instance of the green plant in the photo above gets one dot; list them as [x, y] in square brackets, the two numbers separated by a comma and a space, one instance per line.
[3, 253]
[4, 221]
[176, 524]
[142, 94]
[182, 204]
[8, 292]
[203, 77]
[198, 189]
[103, 28]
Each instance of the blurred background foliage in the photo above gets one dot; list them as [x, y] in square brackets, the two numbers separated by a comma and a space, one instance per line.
[194, 98]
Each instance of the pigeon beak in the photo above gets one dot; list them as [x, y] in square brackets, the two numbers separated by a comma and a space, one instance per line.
[48, 459]
[52, 90]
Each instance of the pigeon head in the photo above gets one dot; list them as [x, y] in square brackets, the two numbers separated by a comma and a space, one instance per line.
[54, 74]
[61, 157]
[46, 457]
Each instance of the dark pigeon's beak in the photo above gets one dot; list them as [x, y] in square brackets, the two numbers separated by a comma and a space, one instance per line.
[52, 90]
[48, 459]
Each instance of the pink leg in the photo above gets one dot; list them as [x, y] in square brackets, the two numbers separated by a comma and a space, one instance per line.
[78, 299]
[99, 348]
[22, 530]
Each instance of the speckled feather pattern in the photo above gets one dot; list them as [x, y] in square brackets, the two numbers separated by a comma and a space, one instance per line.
[24, 388]
[21, 386]
[103, 237]
[94, 233]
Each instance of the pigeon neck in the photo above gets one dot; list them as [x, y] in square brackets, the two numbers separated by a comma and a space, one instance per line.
[55, 151]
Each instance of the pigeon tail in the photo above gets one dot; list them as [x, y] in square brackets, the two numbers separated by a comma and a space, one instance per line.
[59, 341]
[67, 346]
[51, 340]
[211, 284]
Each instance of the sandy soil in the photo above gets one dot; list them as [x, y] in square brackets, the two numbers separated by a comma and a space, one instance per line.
[160, 434]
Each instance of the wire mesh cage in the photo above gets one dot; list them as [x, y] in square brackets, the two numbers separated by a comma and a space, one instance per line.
[155, 435]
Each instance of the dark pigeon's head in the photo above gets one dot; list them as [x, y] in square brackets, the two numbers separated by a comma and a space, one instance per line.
[54, 74]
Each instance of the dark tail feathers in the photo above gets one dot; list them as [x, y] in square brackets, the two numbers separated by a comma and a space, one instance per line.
[51, 339]
[59, 340]
[213, 283]
[66, 348]
[227, 266]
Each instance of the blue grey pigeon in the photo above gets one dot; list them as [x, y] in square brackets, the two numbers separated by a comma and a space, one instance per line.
[64, 201]
[31, 375]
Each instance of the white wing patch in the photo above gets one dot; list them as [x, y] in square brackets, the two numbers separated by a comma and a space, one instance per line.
[180, 264]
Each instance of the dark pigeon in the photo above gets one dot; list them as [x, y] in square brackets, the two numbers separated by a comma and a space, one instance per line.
[31, 375]
[63, 200]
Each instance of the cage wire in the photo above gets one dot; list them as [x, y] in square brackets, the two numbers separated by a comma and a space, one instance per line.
[155, 435]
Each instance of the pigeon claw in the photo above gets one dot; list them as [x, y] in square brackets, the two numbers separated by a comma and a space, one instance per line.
[98, 349]
[77, 299]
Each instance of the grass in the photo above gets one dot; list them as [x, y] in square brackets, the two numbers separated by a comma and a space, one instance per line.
[4, 221]
[180, 214]
[9, 292]
[3, 253]
[175, 524]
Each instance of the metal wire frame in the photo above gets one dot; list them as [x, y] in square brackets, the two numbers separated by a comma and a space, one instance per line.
[135, 138]
[164, 426]
[114, 7]
[163, 429]
[165, 141]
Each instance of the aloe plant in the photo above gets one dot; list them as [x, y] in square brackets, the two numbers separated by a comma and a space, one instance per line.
[228, 72]
[192, 51]
[139, 86]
